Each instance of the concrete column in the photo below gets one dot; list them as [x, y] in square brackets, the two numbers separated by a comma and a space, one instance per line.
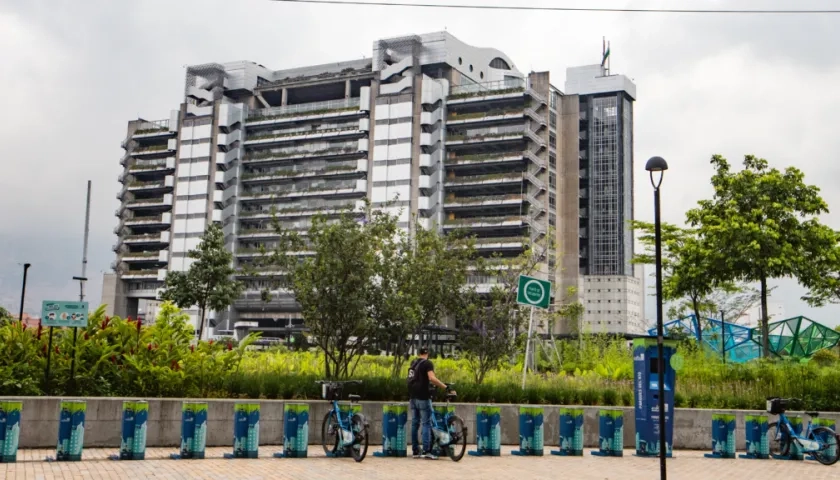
[347, 89]
[285, 97]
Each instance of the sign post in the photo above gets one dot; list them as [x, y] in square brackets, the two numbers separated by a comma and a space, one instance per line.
[59, 313]
[535, 293]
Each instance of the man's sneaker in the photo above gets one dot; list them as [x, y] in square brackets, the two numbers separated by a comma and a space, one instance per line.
[417, 455]
[430, 456]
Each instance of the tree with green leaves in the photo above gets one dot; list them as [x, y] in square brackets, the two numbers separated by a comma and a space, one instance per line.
[208, 283]
[337, 285]
[5, 316]
[762, 224]
[419, 275]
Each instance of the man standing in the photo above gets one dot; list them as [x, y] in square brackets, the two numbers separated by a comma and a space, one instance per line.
[421, 373]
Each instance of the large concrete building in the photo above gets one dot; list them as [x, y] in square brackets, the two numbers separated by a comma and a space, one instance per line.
[440, 133]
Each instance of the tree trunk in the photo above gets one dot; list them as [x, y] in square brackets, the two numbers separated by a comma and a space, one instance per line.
[200, 323]
[765, 321]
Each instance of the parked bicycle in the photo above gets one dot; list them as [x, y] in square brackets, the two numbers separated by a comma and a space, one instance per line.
[343, 432]
[820, 442]
[450, 436]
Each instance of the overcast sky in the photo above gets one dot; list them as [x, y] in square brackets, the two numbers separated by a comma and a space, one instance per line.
[73, 73]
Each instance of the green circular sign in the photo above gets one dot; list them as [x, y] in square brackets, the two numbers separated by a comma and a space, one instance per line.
[677, 362]
[534, 292]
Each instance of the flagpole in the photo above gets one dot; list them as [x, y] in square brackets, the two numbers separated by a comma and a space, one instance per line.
[609, 61]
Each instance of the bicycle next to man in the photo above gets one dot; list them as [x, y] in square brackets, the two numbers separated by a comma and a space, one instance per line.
[820, 442]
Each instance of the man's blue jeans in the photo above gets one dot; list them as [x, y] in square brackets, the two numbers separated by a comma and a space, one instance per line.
[421, 412]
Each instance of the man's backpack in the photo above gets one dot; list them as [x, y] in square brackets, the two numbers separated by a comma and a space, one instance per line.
[413, 378]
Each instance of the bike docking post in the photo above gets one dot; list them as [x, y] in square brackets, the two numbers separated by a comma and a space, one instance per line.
[610, 433]
[133, 443]
[440, 411]
[346, 412]
[488, 431]
[246, 431]
[723, 436]
[10, 411]
[295, 431]
[828, 423]
[531, 433]
[755, 430]
[394, 419]
[795, 452]
[571, 433]
[193, 431]
[71, 431]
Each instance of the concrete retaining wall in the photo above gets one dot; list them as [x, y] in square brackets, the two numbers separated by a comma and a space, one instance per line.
[39, 423]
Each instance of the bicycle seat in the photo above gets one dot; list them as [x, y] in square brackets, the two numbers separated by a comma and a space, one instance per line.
[812, 414]
[353, 398]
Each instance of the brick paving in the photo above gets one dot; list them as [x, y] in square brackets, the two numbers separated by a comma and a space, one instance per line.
[688, 465]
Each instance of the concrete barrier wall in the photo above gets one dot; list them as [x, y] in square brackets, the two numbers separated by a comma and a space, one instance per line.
[103, 424]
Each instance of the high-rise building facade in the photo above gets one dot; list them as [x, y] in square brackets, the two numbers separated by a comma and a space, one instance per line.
[612, 291]
[439, 133]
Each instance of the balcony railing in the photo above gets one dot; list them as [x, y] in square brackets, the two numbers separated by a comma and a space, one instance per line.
[493, 178]
[148, 219]
[455, 116]
[499, 87]
[141, 255]
[296, 172]
[487, 135]
[151, 237]
[484, 199]
[302, 189]
[268, 156]
[152, 184]
[147, 166]
[300, 133]
[146, 272]
[480, 220]
[150, 149]
[479, 242]
[146, 201]
[314, 108]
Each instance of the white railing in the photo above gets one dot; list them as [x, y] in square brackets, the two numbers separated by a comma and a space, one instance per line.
[303, 108]
[487, 87]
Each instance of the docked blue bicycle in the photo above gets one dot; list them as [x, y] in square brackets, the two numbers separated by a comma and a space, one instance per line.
[449, 436]
[343, 430]
[820, 442]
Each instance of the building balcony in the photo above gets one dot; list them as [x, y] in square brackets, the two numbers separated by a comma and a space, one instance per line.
[156, 256]
[157, 129]
[279, 138]
[268, 158]
[320, 191]
[461, 203]
[149, 239]
[485, 159]
[485, 138]
[154, 166]
[485, 223]
[161, 220]
[480, 92]
[143, 274]
[495, 179]
[304, 111]
[487, 117]
[499, 243]
[297, 172]
[152, 150]
[154, 203]
[251, 271]
[197, 111]
[154, 186]
[293, 212]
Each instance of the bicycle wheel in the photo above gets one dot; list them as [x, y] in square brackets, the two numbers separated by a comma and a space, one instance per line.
[330, 432]
[778, 439]
[360, 443]
[458, 438]
[829, 453]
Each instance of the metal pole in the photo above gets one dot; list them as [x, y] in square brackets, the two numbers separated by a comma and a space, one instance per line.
[660, 336]
[723, 336]
[82, 279]
[47, 370]
[23, 290]
[73, 363]
[528, 347]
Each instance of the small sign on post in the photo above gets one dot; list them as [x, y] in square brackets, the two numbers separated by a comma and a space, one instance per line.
[64, 314]
[533, 292]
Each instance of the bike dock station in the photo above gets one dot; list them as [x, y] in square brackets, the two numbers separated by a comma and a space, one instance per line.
[531, 437]
[571, 433]
[488, 431]
[394, 420]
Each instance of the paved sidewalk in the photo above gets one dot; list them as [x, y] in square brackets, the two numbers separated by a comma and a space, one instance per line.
[687, 465]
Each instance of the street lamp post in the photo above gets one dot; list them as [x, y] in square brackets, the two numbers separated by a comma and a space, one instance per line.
[659, 165]
[23, 291]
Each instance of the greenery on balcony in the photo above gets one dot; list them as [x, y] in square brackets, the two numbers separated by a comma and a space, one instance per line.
[320, 111]
[290, 172]
[303, 132]
[147, 166]
[154, 183]
[481, 136]
[484, 93]
[151, 218]
[144, 272]
[141, 254]
[477, 220]
[144, 131]
[512, 176]
[482, 156]
[144, 201]
[454, 116]
[151, 148]
[482, 199]
[494, 240]
[324, 188]
[297, 153]
[147, 236]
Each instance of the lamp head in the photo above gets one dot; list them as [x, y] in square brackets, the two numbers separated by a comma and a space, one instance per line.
[656, 165]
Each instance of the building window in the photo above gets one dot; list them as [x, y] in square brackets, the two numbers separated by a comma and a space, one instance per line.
[552, 219]
[552, 119]
[552, 140]
[552, 180]
[552, 160]
[552, 200]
